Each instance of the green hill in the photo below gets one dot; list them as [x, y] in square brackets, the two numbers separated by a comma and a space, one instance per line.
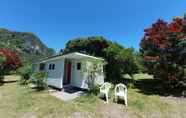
[26, 44]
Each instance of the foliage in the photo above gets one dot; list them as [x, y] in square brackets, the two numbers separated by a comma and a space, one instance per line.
[27, 45]
[164, 50]
[121, 60]
[2, 60]
[9, 61]
[139, 61]
[90, 45]
[39, 80]
[92, 69]
[12, 61]
[25, 73]
[94, 90]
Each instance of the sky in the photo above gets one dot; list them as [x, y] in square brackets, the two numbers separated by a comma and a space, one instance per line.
[57, 21]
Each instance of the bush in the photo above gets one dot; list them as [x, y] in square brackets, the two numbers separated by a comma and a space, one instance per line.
[25, 73]
[94, 90]
[39, 80]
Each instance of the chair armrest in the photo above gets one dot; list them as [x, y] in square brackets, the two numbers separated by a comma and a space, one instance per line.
[101, 88]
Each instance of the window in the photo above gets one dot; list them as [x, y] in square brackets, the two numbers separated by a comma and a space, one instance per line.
[41, 66]
[51, 66]
[78, 66]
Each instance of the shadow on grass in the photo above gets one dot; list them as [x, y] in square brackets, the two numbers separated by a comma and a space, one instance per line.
[7, 82]
[156, 87]
[10, 81]
[119, 101]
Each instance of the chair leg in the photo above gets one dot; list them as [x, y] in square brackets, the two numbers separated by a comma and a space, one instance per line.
[107, 98]
[126, 101]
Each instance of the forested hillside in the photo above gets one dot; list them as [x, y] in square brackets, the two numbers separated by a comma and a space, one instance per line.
[26, 44]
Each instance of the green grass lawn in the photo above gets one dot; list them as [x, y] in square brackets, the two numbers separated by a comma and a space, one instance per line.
[21, 102]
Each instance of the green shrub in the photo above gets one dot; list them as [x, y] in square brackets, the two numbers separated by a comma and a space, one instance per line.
[39, 80]
[94, 90]
[25, 73]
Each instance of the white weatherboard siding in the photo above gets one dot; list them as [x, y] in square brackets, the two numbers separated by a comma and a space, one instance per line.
[55, 77]
[99, 78]
[79, 78]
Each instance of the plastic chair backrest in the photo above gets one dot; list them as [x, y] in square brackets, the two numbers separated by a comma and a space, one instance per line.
[106, 85]
[120, 88]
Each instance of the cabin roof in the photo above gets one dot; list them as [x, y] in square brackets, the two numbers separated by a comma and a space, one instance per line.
[74, 55]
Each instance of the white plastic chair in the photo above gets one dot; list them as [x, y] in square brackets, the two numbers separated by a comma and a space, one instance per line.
[121, 92]
[104, 89]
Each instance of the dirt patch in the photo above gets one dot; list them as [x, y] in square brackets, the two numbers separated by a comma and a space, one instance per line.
[79, 115]
[172, 99]
[177, 106]
[29, 115]
[115, 111]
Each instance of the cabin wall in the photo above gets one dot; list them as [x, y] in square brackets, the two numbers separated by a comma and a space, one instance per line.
[55, 77]
[76, 78]
[79, 78]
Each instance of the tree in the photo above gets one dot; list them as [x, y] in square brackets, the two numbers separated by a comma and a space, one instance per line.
[2, 60]
[91, 45]
[164, 50]
[9, 61]
[119, 59]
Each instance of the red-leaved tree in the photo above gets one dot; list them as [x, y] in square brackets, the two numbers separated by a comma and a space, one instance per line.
[164, 50]
[9, 61]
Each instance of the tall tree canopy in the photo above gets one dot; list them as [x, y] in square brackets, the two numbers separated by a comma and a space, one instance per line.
[164, 50]
[120, 60]
[92, 45]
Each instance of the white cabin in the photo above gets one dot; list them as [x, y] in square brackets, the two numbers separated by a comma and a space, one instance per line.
[67, 70]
